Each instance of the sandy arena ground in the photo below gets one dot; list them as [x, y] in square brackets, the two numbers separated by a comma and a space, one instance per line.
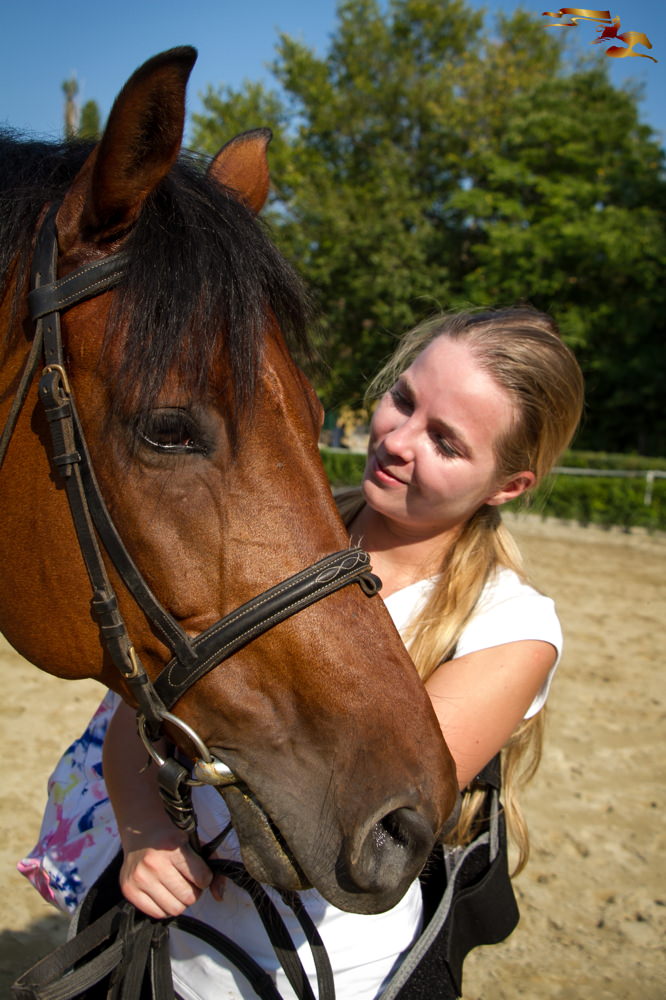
[593, 898]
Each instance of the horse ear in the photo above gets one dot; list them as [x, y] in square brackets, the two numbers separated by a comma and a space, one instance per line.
[242, 165]
[140, 144]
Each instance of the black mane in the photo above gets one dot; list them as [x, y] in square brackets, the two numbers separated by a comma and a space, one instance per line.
[202, 271]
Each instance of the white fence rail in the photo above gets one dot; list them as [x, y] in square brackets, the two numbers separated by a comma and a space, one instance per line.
[571, 470]
[648, 474]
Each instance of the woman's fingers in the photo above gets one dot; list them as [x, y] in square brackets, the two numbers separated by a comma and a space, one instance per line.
[148, 905]
[193, 867]
[163, 881]
[217, 887]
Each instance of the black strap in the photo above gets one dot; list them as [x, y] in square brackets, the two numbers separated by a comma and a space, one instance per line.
[67, 457]
[124, 955]
[65, 975]
[468, 901]
[25, 382]
[259, 615]
[174, 637]
[280, 937]
[259, 979]
[84, 283]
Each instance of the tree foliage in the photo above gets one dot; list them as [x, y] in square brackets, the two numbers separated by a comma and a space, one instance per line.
[430, 160]
[90, 121]
[84, 123]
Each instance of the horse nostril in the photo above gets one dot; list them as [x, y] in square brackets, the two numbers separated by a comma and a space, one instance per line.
[393, 826]
[390, 827]
[406, 829]
[393, 849]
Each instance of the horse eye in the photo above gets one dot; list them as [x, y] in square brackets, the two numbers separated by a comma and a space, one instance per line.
[173, 431]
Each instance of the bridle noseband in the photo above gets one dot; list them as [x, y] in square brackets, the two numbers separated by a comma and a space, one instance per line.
[192, 658]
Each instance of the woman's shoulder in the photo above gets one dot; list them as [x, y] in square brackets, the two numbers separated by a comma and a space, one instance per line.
[404, 604]
[509, 610]
[505, 584]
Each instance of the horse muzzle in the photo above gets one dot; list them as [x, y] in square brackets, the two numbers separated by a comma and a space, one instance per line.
[365, 871]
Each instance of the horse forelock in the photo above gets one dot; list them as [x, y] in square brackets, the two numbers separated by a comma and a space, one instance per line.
[33, 173]
[202, 280]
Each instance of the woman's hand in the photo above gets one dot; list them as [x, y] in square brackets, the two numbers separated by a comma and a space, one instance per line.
[161, 874]
[163, 879]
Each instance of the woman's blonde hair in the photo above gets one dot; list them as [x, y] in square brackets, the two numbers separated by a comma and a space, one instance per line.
[522, 351]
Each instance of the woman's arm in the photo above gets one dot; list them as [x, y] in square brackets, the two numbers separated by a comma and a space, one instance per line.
[480, 698]
[161, 874]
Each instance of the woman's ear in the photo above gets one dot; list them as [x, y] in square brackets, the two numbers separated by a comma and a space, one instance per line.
[516, 485]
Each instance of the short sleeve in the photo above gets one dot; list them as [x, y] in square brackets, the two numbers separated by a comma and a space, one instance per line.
[510, 611]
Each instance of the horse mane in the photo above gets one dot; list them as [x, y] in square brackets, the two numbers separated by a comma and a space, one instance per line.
[203, 275]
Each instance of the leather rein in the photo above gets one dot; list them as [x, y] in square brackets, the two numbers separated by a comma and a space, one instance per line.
[191, 658]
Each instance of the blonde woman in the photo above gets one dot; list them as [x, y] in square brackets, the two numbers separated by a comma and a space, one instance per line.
[468, 403]
[473, 410]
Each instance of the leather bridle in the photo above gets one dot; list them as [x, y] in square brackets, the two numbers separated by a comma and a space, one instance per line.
[191, 658]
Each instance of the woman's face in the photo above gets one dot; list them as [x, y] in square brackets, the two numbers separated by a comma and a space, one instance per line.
[431, 460]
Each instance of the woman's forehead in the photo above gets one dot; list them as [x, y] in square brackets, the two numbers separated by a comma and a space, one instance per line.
[451, 383]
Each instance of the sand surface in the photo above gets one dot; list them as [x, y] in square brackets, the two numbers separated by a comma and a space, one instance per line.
[593, 898]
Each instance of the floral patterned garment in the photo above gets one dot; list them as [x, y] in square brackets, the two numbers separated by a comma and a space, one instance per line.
[79, 836]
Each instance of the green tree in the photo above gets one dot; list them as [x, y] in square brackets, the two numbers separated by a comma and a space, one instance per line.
[427, 161]
[90, 122]
[566, 210]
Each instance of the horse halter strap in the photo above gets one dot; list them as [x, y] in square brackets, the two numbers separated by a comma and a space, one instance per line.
[191, 658]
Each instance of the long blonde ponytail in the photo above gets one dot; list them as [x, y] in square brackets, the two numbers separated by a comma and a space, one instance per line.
[483, 546]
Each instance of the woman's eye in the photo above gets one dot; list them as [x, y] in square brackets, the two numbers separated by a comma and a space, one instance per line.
[445, 448]
[400, 401]
[173, 431]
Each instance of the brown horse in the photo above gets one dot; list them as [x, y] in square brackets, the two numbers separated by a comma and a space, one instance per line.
[202, 434]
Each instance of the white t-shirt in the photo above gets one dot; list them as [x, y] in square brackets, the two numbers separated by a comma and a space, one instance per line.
[507, 611]
[364, 950]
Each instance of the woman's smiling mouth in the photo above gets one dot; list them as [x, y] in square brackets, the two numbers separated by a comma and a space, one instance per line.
[382, 475]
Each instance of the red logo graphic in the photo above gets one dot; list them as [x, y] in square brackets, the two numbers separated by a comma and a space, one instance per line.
[610, 30]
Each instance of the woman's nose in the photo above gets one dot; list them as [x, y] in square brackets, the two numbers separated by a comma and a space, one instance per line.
[400, 440]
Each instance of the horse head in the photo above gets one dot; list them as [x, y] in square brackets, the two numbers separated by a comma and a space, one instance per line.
[202, 433]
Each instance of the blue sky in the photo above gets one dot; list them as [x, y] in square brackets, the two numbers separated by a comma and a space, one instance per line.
[44, 42]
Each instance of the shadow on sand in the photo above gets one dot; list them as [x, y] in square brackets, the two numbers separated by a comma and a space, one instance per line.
[19, 950]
